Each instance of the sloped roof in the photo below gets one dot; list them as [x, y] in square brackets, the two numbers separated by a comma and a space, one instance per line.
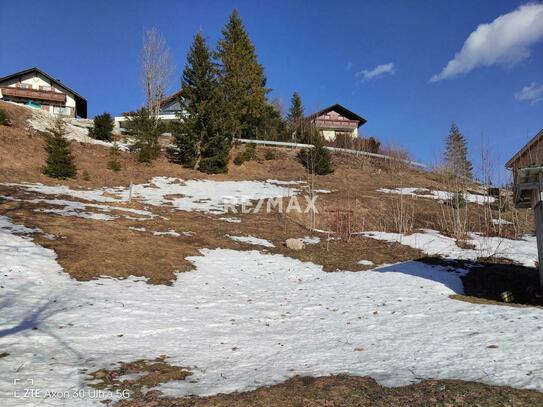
[524, 149]
[171, 98]
[80, 101]
[349, 114]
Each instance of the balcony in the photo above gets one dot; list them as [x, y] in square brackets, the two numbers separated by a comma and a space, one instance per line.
[34, 94]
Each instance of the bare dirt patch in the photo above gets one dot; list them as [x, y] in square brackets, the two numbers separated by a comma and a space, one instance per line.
[346, 391]
[137, 376]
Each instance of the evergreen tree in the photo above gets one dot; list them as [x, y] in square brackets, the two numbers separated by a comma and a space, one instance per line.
[146, 130]
[317, 160]
[242, 81]
[103, 126]
[114, 154]
[456, 154]
[273, 126]
[200, 137]
[59, 162]
[295, 117]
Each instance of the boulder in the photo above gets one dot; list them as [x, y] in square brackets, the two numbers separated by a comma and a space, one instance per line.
[294, 244]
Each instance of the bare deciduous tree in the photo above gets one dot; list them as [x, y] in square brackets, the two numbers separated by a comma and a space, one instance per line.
[157, 69]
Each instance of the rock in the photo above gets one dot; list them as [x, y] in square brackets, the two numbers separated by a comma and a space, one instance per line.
[294, 244]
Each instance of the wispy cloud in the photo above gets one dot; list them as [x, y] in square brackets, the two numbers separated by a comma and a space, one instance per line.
[532, 93]
[349, 66]
[384, 69]
[506, 40]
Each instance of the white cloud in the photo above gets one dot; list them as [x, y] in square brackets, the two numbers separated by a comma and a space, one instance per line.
[379, 70]
[506, 40]
[532, 93]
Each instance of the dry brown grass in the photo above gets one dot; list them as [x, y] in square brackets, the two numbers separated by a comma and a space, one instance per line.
[348, 391]
[93, 248]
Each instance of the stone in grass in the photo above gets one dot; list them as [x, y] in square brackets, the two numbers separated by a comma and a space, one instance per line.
[294, 244]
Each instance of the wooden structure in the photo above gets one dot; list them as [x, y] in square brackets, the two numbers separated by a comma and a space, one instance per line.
[527, 168]
[35, 88]
[335, 121]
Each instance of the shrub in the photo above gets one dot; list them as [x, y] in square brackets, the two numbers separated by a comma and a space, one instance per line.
[114, 164]
[248, 154]
[4, 119]
[318, 159]
[214, 165]
[270, 155]
[86, 175]
[238, 160]
[59, 162]
[103, 126]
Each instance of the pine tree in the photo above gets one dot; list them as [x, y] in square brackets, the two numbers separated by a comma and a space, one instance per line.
[295, 117]
[317, 160]
[59, 162]
[114, 154]
[200, 139]
[103, 126]
[146, 130]
[242, 80]
[456, 155]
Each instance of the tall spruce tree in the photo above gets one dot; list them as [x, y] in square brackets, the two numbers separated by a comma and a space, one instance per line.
[295, 117]
[201, 141]
[456, 155]
[59, 162]
[242, 80]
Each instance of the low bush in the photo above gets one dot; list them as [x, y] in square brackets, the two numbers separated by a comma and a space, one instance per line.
[103, 127]
[4, 119]
[270, 155]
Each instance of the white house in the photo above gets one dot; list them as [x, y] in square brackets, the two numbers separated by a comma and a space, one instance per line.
[170, 108]
[336, 120]
[35, 88]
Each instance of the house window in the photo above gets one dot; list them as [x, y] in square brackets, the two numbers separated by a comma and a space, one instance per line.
[24, 85]
[47, 88]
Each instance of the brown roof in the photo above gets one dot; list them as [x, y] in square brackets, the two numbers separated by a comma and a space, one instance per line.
[168, 99]
[342, 111]
[524, 149]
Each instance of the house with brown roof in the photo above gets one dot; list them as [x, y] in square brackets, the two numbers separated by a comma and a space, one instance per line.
[336, 121]
[35, 88]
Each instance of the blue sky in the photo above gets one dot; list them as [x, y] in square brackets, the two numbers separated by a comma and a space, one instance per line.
[318, 48]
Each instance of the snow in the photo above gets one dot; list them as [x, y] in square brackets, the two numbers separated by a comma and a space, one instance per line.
[311, 239]
[252, 240]
[76, 129]
[431, 242]
[246, 319]
[136, 229]
[172, 233]
[185, 195]
[366, 262]
[231, 219]
[501, 222]
[439, 195]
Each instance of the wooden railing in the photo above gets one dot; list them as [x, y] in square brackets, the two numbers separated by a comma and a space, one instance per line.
[34, 94]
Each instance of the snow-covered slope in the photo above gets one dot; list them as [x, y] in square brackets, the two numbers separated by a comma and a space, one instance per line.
[246, 319]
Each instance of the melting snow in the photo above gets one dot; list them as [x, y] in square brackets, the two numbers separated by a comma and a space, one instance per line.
[190, 195]
[431, 242]
[366, 262]
[439, 195]
[311, 239]
[247, 319]
[252, 240]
